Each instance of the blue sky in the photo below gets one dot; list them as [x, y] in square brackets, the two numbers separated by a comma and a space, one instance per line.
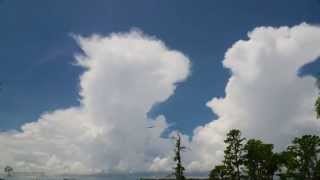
[36, 48]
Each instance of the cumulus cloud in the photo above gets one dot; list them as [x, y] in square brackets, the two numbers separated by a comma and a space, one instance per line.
[265, 98]
[126, 73]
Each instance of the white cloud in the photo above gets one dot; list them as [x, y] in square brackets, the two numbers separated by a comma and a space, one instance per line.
[265, 98]
[125, 75]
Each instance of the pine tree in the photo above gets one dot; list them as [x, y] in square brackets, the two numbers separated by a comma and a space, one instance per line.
[179, 169]
[232, 154]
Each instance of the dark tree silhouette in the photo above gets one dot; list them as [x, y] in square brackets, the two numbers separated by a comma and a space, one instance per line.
[304, 153]
[287, 160]
[232, 154]
[179, 169]
[317, 107]
[219, 172]
[317, 103]
[272, 164]
[317, 170]
[8, 170]
[259, 160]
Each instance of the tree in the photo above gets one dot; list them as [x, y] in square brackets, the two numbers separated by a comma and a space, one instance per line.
[259, 160]
[317, 170]
[305, 151]
[317, 107]
[272, 164]
[232, 154]
[218, 172]
[317, 103]
[288, 161]
[177, 158]
[8, 170]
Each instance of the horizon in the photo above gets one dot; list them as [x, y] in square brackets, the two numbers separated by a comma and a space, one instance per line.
[104, 86]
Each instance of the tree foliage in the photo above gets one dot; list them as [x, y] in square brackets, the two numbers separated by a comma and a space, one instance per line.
[179, 169]
[8, 170]
[256, 160]
[259, 160]
[317, 107]
[317, 103]
[304, 153]
[232, 154]
[219, 172]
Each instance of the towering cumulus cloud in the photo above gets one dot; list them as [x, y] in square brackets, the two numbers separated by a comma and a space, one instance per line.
[125, 75]
[265, 97]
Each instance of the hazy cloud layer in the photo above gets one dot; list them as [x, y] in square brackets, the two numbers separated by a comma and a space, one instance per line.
[127, 73]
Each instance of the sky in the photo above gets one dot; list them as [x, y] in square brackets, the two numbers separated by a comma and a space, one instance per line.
[113, 67]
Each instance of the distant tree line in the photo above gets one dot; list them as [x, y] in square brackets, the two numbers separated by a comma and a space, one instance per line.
[255, 160]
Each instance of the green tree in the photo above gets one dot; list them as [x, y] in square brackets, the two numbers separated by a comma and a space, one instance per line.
[288, 161]
[179, 169]
[8, 170]
[317, 170]
[272, 164]
[232, 153]
[305, 151]
[259, 160]
[218, 172]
